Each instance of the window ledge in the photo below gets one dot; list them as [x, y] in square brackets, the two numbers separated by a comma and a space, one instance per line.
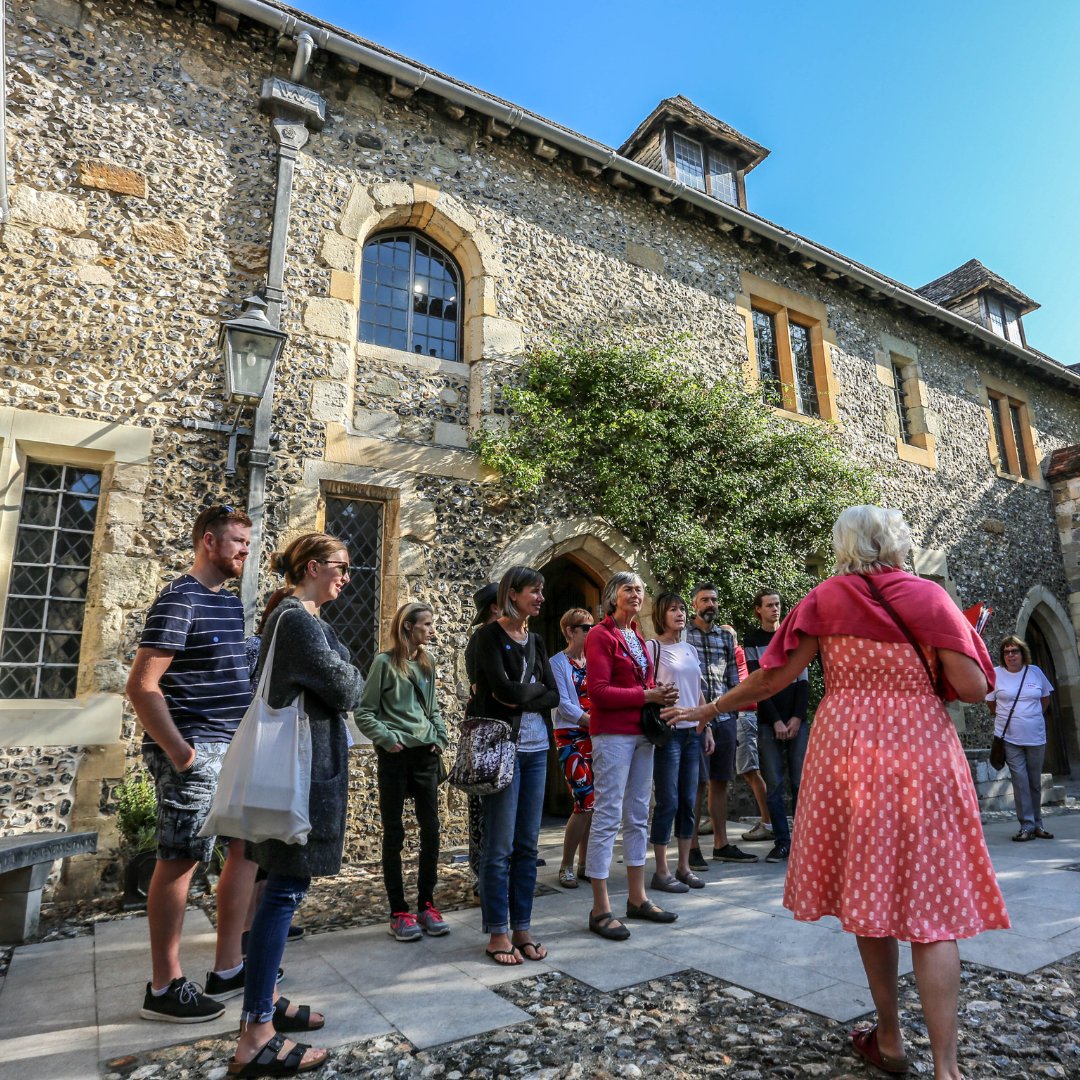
[92, 721]
[802, 418]
[1039, 484]
[369, 350]
[915, 454]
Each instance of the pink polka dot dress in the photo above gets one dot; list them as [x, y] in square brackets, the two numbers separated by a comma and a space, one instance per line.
[887, 835]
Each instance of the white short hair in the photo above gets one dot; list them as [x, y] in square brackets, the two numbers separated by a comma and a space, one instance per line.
[868, 538]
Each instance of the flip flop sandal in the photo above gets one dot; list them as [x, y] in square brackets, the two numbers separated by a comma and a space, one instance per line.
[567, 878]
[601, 924]
[864, 1043]
[299, 1021]
[267, 1063]
[495, 954]
[536, 946]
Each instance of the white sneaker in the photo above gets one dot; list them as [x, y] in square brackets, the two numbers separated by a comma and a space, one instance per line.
[760, 831]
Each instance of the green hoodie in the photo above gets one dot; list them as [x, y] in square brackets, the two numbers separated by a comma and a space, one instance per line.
[394, 709]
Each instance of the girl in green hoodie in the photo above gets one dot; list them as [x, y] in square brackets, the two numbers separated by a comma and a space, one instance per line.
[399, 712]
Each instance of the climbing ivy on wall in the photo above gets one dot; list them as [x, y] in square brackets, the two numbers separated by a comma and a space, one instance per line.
[702, 476]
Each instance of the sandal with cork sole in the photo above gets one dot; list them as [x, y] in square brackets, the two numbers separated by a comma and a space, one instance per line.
[865, 1045]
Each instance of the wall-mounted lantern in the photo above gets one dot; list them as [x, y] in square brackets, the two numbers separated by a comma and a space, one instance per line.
[250, 347]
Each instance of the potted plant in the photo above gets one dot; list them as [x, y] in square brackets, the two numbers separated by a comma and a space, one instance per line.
[136, 818]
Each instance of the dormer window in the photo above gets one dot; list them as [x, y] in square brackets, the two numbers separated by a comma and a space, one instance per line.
[684, 142]
[1003, 318]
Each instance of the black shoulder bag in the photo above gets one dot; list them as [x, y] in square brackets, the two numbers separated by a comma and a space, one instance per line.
[657, 731]
[997, 743]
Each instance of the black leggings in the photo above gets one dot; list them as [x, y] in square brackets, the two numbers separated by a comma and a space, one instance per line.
[411, 773]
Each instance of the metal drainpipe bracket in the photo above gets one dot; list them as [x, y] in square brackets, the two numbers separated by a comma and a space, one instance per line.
[291, 101]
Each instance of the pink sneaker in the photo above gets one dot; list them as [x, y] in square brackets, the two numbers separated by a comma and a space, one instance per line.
[403, 927]
[432, 921]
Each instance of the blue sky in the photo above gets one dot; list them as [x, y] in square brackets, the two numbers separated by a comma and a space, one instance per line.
[910, 137]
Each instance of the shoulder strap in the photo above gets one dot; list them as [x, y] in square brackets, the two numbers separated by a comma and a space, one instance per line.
[1008, 719]
[530, 656]
[655, 657]
[903, 629]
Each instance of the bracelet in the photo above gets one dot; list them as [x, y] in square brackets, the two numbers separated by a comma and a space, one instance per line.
[716, 710]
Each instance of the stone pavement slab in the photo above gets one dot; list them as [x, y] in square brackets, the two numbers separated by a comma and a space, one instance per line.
[70, 1004]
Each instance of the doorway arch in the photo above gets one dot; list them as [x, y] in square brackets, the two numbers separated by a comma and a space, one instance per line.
[1044, 625]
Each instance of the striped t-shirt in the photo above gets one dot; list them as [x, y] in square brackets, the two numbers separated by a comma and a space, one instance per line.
[207, 686]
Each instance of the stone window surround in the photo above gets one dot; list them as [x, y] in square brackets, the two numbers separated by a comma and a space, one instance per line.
[922, 449]
[488, 340]
[94, 718]
[992, 391]
[784, 303]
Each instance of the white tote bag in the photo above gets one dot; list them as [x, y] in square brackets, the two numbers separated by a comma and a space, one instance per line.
[262, 790]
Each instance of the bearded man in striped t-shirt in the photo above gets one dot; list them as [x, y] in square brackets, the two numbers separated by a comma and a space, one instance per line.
[190, 685]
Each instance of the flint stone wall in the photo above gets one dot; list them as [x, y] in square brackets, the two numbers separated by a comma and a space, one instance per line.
[142, 194]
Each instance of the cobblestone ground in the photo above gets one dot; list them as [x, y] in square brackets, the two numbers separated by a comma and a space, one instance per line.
[692, 1025]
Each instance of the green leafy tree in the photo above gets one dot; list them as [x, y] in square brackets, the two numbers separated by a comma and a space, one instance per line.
[702, 476]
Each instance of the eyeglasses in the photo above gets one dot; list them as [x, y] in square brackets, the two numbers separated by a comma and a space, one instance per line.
[220, 512]
[1013, 652]
[344, 567]
[584, 627]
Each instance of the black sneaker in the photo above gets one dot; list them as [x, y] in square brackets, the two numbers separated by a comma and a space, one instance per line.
[697, 860]
[223, 989]
[182, 1003]
[779, 853]
[730, 853]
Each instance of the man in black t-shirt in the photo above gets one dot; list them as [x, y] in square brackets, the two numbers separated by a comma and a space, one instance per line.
[190, 686]
[782, 728]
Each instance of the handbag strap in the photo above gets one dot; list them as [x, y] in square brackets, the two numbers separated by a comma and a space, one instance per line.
[903, 629]
[263, 689]
[1016, 699]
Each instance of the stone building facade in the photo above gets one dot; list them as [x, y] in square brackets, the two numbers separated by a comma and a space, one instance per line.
[144, 146]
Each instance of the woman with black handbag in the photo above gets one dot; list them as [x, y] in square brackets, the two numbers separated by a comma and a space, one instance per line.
[399, 713]
[514, 683]
[621, 686]
[1019, 703]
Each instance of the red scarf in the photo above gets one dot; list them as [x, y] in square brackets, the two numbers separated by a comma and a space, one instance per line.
[844, 605]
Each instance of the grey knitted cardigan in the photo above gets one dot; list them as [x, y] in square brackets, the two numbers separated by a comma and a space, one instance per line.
[309, 658]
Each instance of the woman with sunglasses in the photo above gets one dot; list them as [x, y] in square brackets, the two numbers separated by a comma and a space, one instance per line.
[514, 683]
[571, 723]
[1018, 703]
[399, 713]
[308, 660]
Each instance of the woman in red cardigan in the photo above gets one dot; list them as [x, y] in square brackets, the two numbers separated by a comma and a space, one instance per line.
[620, 683]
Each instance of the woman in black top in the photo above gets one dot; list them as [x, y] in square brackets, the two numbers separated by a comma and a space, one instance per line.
[514, 683]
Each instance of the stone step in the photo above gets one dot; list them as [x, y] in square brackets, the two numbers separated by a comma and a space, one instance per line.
[994, 786]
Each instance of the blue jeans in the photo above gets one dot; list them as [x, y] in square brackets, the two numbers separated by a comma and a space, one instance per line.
[266, 943]
[508, 856]
[776, 757]
[675, 776]
[1025, 767]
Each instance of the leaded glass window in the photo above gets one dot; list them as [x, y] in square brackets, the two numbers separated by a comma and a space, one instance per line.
[722, 181]
[997, 404]
[410, 296]
[689, 162]
[768, 360]
[802, 363]
[50, 572]
[903, 412]
[354, 616]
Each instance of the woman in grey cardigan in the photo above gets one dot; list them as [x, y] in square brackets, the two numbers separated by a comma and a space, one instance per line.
[308, 659]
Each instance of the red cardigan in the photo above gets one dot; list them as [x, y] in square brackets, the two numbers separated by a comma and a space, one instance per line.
[616, 686]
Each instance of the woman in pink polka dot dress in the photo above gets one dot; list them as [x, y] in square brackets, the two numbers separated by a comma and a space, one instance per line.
[887, 835]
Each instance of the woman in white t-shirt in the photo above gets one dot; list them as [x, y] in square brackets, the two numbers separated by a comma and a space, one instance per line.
[675, 766]
[1019, 703]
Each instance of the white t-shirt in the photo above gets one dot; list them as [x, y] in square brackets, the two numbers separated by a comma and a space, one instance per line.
[679, 664]
[1028, 725]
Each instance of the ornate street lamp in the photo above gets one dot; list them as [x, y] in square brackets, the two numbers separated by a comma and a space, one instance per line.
[250, 347]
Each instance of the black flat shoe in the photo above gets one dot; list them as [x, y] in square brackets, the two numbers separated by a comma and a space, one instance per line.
[650, 912]
[601, 924]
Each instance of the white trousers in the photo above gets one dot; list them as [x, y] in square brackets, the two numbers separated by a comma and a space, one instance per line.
[622, 785]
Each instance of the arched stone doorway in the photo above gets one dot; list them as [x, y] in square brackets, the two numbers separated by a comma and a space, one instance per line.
[576, 557]
[1043, 624]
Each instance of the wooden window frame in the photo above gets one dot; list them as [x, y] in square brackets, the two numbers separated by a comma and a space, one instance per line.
[708, 156]
[1001, 399]
[786, 307]
[1006, 309]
